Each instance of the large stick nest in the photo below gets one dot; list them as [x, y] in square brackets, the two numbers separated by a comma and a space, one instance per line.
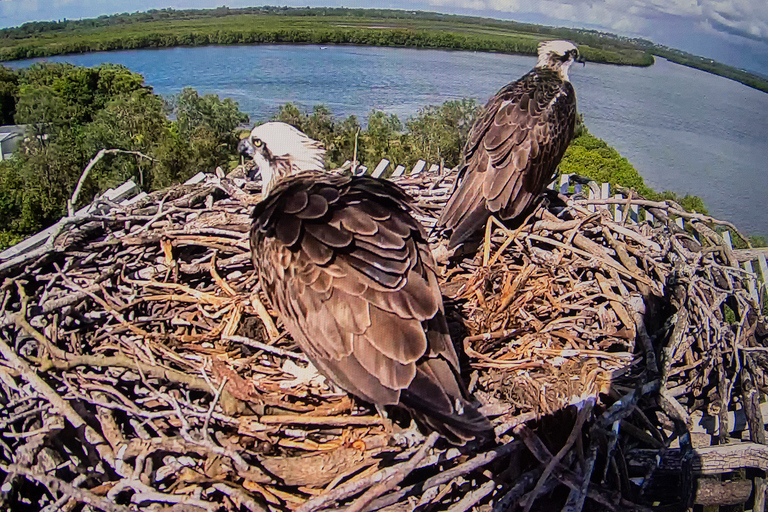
[143, 369]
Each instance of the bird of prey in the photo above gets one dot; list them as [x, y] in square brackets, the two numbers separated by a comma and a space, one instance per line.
[515, 145]
[350, 273]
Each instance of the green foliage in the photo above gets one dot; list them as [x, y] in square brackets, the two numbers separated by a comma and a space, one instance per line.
[589, 156]
[74, 112]
[134, 122]
[9, 91]
[440, 132]
[337, 137]
[437, 131]
[174, 159]
[688, 202]
[594, 158]
[259, 25]
[219, 116]
[381, 139]
[204, 135]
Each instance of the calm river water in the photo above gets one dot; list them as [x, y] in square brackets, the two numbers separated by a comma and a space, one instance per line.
[683, 129]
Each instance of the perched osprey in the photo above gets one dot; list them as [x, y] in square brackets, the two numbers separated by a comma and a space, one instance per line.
[515, 146]
[350, 273]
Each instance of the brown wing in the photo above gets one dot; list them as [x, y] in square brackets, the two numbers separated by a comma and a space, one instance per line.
[349, 271]
[512, 152]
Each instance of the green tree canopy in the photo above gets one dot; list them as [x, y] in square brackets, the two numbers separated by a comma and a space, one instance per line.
[74, 112]
[194, 111]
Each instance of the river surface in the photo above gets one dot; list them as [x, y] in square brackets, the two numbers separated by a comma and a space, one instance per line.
[683, 129]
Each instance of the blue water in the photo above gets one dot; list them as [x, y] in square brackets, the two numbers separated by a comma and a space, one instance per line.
[683, 129]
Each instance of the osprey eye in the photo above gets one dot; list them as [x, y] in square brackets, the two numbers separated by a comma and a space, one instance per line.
[257, 143]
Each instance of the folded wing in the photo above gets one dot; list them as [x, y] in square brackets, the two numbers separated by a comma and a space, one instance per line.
[512, 152]
[349, 271]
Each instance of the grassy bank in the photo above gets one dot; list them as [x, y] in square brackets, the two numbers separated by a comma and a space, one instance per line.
[372, 27]
[169, 28]
[714, 67]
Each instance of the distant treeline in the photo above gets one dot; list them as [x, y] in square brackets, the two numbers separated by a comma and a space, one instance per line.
[714, 67]
[593, 38]
[327, 25]
[167, 28]
[363, 37]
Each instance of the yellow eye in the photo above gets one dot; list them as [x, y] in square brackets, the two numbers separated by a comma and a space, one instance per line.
[257, 143]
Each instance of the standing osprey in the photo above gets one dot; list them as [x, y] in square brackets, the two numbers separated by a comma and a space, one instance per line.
[515, 146]
[350, 272]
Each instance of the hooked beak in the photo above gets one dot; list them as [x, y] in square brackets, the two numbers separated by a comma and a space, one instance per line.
[581, 59]
[245, 148]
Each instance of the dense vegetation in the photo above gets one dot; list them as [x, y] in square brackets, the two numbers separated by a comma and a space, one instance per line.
[73, 112]
[166, 28]
[594, 158]
[436, 133]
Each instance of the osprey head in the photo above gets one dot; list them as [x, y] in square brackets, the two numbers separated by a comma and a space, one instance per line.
[280, 150]
[558, 55]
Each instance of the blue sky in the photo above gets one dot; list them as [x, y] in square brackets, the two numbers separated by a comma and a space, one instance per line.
[732, 31]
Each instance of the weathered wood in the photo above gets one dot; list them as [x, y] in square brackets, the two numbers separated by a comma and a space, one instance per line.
[755, 253]
[379, 170]
[747, 265]
[727, 239]
[705, 423]
[706, 461]
[618, 215]
[197, 178]
[605, 193]
[418, 167]
[592, 195]
[761, 485]
[714, 492]
[398, 171]
[544, 322]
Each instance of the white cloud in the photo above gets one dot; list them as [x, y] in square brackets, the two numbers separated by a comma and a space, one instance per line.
[748, 18]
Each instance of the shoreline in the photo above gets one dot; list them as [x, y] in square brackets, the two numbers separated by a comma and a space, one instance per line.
[170, 28]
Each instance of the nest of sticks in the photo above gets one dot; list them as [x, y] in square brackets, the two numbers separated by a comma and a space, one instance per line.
[622, 365]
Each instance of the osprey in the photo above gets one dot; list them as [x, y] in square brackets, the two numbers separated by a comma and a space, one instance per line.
[515, 146]
[350, 273]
